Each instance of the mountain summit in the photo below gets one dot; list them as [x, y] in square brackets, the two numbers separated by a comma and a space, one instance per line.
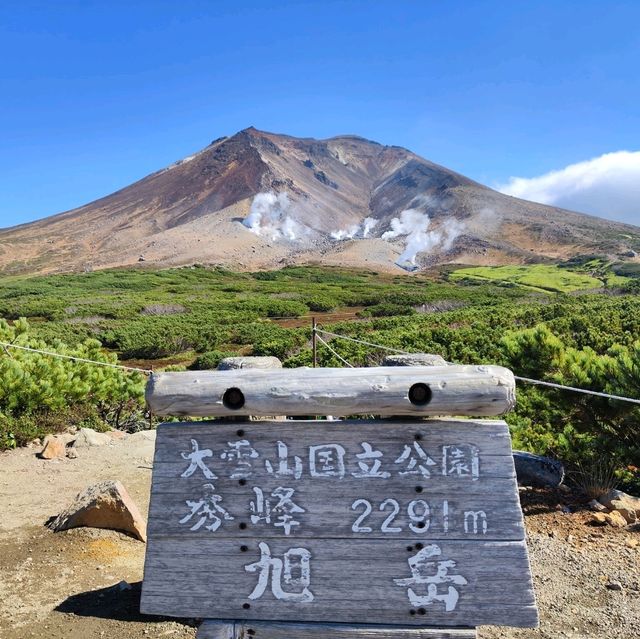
[260, 200]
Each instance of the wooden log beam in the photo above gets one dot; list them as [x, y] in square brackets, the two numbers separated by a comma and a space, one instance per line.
[214, 629]
[419, 391]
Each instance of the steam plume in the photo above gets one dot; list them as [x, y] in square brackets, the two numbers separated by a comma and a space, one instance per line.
[414, 225]
[269, 215]
[357, 230]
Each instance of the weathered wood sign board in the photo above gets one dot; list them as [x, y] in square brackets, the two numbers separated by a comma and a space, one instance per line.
[414, 523]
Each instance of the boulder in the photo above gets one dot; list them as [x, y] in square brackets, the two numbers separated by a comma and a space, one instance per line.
[234, 363]
[537, 471]
[617, 500]
[54, 448]
[87, 437]
[106, 504]
[414, 359]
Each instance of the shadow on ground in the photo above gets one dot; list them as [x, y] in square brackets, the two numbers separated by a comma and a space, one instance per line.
[118, 603]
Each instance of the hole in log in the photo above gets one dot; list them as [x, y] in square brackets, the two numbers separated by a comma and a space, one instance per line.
[233, 399]
[412, 612]
[418, 437]
[244, 548]
[409, 548]
[422, 611]
[240, 433]
[420, 394]
[419, 546]
[420, 524]
[242, 482]
[242, 526]
[251, 632]
[419, 489]
[246, 606]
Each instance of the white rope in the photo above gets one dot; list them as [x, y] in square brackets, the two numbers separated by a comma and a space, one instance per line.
[342, 359]
[527, 380]
[77, 359]
[360, 341]
[537, 382]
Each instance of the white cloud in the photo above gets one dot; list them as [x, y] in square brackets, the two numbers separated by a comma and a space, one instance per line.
[607, 186]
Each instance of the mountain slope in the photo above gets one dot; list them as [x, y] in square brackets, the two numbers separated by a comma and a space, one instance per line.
[306, 190]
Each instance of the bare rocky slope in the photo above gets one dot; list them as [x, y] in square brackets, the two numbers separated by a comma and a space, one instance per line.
[298, 192]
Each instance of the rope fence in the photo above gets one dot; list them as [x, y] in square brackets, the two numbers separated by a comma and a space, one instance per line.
[318, 332]
[146, 371]
[526, 380]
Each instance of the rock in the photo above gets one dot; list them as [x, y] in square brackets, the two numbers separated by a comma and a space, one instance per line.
[88, 437]
[598, 519]
[629, 514]
[414, 359]
[72, 453]
[106, 504]
[54, 448]
[631, 542]
[142, 435]
[537, 471]
[596, 506]
[122, 586]
[615, 519]
[234, 363]
[622, 500]
[614, 585]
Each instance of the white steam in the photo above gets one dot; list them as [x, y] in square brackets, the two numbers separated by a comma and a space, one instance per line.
[270, 215]
[360, 231]
[414, 226]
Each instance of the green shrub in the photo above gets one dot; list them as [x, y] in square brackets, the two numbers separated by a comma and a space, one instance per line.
[209, 360]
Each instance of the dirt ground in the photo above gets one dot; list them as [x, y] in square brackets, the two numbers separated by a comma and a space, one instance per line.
[66, 585]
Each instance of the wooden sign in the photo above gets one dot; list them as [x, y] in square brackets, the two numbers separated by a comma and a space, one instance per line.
[413, 523]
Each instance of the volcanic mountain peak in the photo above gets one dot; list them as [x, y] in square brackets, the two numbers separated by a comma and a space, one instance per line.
[259, 200]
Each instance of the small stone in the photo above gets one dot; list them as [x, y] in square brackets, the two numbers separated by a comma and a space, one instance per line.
[596, 506]
[621, 499]
[614, 585]
[598, 519]
[88, 437]
[54, 448]
[615, 519]
[123, 585]
[106, 504]
[623, 508]
[631, 543]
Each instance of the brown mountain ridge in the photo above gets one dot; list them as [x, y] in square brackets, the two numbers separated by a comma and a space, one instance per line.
[261, 200]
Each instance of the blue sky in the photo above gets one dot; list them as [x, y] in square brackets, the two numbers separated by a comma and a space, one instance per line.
[94, 95]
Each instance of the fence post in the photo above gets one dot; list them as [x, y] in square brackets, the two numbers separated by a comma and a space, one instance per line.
[314, 342]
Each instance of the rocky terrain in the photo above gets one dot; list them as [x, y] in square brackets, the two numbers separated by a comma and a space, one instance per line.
[84, 583]
[260, 200]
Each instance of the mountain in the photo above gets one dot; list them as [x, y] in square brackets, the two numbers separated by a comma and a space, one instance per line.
[260, 200]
